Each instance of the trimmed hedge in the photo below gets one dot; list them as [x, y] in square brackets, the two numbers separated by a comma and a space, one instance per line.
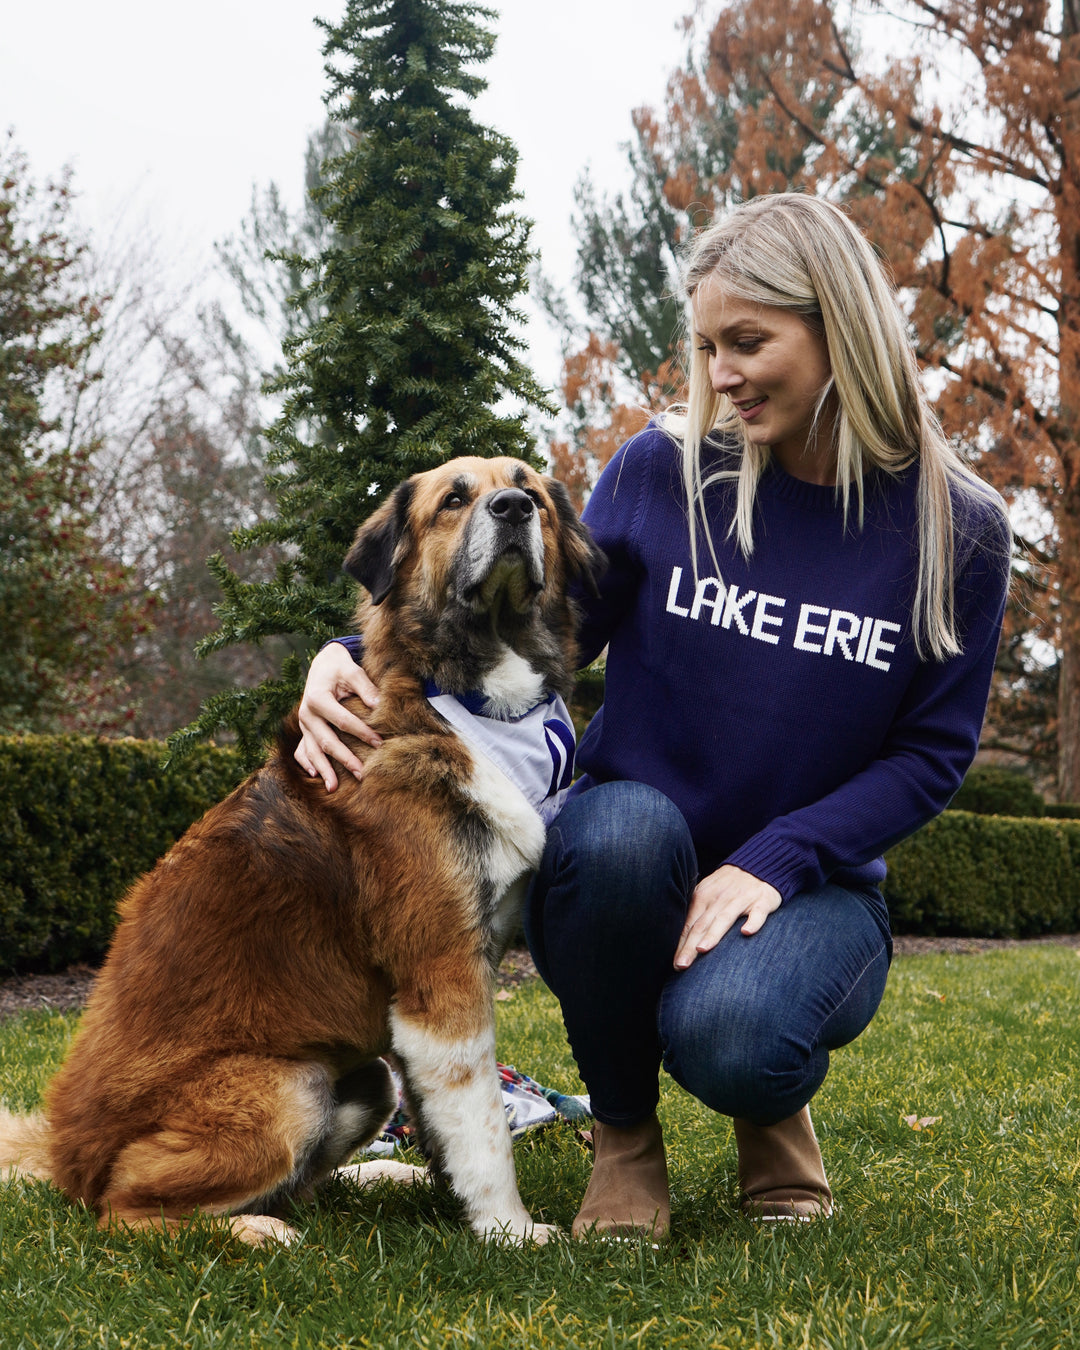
[80, 819]
[1062, 810]
[986, 876]
[994, 791]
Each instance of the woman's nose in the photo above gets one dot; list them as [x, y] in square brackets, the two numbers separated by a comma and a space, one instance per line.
[723, 374]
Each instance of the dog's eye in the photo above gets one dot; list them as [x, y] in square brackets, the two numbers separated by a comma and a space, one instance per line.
[453, 501]
[531, 492]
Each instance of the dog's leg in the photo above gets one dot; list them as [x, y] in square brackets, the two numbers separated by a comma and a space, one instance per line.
[454, 1086]
[366, 1098]
[234, 1142]
[365, 1174]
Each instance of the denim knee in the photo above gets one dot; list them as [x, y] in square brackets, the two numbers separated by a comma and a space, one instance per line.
[624, 839]
[610, 853]
[758, 1073]
[748, 1028]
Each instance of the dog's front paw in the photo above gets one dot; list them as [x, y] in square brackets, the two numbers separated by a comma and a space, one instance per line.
[261, 1230]
[542, 1233]
[370, 1173]
[516, 1233]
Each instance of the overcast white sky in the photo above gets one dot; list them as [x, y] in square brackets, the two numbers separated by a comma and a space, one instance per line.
[168, 115]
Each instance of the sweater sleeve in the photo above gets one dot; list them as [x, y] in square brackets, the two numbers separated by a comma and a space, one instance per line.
[921, 764]
[353, 644]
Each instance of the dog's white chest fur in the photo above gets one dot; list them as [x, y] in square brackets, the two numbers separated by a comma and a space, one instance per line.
[512, 686]
[517, 832]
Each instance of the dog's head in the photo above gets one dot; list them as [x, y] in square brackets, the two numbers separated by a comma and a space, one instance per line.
[477, 546]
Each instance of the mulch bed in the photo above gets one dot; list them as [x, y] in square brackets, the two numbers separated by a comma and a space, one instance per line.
[70, 988]
[968, 946]
[64, 991]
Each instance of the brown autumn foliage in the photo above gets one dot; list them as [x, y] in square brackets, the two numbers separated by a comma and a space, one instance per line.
[952, 132]
[603, 412]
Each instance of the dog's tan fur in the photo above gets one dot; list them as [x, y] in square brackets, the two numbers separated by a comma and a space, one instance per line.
[228, 1059]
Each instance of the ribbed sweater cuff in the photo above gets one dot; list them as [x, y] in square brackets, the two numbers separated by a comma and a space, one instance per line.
[777, 862]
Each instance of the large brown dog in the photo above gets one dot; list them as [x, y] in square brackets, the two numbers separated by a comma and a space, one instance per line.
[228, 1059]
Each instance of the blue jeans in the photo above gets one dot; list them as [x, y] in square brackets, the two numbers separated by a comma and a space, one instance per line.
[748, 1027]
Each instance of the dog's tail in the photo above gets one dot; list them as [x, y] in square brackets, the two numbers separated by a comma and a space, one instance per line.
[24, 1146]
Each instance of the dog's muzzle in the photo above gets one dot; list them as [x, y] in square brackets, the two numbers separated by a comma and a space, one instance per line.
[502, 550]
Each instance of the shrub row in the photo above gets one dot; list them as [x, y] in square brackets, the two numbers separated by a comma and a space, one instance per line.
[994, 791]
[986, 876]
[80, 819]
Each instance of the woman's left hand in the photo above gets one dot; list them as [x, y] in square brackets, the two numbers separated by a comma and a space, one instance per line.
[719, 901]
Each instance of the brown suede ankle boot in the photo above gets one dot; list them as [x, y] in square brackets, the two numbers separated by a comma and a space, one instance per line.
[781, 1175]
[627, 1195]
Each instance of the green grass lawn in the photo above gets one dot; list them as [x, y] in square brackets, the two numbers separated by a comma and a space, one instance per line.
[962, 1234]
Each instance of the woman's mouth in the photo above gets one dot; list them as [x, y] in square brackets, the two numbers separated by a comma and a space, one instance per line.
[748, 409]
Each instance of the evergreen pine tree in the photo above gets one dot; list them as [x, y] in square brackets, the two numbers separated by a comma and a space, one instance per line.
[410, 358]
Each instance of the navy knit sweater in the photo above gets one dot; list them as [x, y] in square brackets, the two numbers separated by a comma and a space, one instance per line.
[781, 704]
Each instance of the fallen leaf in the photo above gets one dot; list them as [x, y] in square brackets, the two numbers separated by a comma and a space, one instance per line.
[921, 1122]
[503, 995]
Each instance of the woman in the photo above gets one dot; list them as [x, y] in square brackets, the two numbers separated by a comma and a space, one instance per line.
[802, 609]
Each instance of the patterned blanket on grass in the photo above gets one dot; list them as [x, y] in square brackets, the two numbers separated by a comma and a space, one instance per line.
[527, 1105]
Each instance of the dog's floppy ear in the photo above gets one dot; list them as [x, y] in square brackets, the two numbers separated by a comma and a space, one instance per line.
[378, 547]
[583, 559]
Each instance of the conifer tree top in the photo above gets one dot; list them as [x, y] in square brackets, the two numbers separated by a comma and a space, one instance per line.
[410, 355]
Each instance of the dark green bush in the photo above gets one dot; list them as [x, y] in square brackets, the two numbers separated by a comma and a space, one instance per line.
[1063, 810]
[986, 876]
[992, 791]
[80, 819]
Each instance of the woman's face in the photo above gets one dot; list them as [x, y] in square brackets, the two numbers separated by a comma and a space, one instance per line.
[773, 367]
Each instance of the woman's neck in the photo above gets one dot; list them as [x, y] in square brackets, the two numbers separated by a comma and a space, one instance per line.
[812, 458]
[809, 466]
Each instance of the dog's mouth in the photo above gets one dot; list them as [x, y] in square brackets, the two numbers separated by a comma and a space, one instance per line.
[501, 558]
[511, 580]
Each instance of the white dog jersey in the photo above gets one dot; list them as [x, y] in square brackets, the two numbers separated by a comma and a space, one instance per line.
[535, 750]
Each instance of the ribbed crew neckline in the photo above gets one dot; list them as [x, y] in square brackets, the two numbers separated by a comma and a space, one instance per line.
[815, 496]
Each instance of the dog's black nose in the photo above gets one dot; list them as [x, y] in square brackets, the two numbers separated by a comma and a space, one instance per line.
[511, 505]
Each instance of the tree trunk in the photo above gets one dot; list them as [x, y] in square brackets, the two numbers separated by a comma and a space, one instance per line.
[1068, 785]
[1066, 430]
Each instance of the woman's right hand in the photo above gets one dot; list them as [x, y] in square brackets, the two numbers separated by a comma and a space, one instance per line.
[333, 675]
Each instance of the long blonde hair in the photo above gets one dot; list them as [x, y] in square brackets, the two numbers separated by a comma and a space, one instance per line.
[803, 254]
